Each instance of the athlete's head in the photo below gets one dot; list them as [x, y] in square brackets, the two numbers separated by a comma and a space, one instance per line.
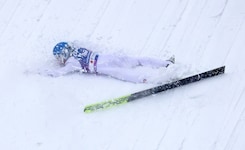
[62, 51]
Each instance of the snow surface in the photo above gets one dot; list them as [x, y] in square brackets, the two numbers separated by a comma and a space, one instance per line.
[38, 112]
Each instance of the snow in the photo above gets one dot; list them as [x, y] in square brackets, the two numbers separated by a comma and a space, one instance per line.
[38, 112]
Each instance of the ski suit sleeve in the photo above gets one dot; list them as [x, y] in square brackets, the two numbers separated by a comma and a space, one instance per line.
[71, 65]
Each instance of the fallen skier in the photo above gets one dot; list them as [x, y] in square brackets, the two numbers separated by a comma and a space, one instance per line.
[75, 58]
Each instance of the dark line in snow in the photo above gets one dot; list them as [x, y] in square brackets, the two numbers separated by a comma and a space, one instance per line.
[238, 121]
[174, 26]
[233, 40]
[3, 4]
[182, 144]
[10, 18]
[161, 140]
[100, 17]
[222, 11]
[154, 27]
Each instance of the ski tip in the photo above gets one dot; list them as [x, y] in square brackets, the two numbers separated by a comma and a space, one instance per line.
[106, 104]
[87, 110]
[90, 108]
[221, 69]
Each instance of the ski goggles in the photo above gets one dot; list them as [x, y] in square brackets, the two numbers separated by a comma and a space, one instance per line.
[63, 55]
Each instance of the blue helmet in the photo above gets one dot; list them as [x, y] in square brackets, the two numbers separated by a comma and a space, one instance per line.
[62, 51]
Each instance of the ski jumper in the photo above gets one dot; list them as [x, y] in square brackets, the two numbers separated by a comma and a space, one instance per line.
[116, 66]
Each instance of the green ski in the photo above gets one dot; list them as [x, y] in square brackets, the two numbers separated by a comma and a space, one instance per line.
[128, 98]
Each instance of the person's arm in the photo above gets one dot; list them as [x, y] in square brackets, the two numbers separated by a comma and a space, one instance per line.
[71, 65]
